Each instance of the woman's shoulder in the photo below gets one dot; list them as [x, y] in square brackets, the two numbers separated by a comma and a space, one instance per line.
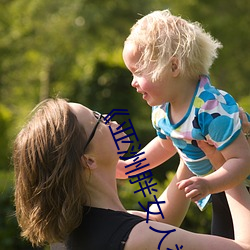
[152, 235]
[102, 229]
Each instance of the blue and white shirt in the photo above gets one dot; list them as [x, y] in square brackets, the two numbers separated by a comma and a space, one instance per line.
[213, 115]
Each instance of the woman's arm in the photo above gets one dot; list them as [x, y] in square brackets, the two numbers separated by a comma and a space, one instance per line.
[234, 169]
[239, 203]
[233, 172]
[144, 237]
[176, 204]
[245, 123]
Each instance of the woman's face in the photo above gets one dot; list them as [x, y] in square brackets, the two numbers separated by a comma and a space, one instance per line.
[102, 142]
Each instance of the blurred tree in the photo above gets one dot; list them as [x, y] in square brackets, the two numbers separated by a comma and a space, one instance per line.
[244, 102]
[72, 48]
[228, 21]
[5, 123]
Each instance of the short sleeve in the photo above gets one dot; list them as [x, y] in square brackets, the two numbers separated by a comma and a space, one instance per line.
[159, 121]
[162, 136]
[219, 120]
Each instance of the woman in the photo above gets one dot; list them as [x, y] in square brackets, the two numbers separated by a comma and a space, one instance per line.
[65, 189]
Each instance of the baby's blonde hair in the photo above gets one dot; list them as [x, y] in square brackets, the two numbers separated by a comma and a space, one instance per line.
[161, 36]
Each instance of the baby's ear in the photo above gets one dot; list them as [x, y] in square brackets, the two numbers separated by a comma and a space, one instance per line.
[175, 66]
[89, 161]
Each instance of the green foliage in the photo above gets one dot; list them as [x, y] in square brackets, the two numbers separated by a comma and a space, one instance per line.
[5, 124]
[73, 48]
[245, 103]
[230, 71]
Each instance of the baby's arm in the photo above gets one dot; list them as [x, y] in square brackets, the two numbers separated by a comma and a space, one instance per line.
[156, 151]
[235, 170]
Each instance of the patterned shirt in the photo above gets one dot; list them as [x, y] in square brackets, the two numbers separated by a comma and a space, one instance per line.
[213, 115]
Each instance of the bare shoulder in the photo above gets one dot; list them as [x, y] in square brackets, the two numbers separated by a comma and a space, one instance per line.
[147, 236]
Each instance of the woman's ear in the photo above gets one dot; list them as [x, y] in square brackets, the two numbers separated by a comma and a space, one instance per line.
[175, 66]
[89, 161]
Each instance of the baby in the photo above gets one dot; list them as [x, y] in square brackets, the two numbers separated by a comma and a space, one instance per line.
[170, 59]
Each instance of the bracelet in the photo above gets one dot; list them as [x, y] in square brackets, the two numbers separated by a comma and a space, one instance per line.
[247, 135]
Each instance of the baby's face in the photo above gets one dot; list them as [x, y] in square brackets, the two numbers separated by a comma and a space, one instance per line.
[152, 92]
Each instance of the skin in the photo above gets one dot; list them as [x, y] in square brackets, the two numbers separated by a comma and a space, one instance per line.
[245, 122]
[140, 238]
[215, 157]
[178, 91]
[169, 88]
[102, 159]
[234, 170]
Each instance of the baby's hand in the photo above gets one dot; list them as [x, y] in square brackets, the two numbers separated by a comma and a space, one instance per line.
[194, 187]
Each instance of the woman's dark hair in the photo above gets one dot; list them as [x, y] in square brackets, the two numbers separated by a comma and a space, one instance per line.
[49, 173]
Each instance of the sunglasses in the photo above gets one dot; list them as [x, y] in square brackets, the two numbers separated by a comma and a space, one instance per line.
[100, 118]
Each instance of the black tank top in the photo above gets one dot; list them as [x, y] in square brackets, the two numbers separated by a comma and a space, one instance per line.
[102, 229]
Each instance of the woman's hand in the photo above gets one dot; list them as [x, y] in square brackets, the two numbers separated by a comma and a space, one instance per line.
[245, 124]
[196, 187]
